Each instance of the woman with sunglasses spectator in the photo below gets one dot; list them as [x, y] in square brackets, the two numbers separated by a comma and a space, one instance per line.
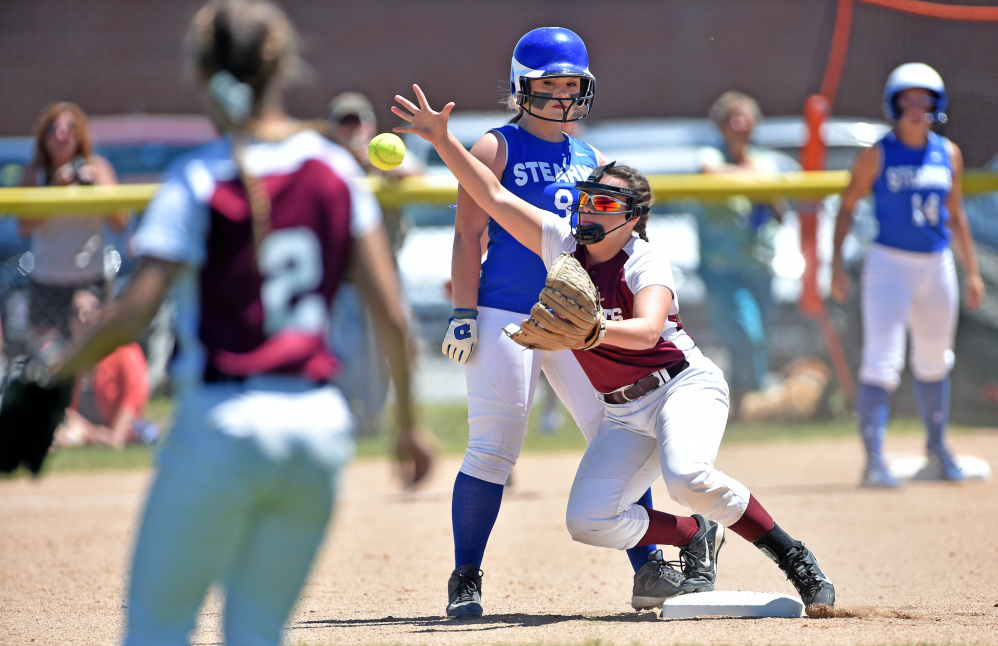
[665, 405]
[909, 287]
[68, 251]
[551, 87]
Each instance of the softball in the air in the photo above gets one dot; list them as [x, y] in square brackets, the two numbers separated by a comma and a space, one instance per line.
[386, 151]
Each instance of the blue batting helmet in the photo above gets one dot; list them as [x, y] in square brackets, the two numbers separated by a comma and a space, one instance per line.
[551, 52]
[914, 75]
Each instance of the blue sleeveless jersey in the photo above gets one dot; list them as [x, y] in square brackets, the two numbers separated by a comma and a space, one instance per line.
[543, 173]
[911, 194]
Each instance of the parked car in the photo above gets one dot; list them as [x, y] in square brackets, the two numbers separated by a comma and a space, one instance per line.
[141, 146]
[843, 136]
[14, 155]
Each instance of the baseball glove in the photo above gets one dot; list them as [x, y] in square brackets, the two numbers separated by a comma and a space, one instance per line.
[32, 408]
[569, 314]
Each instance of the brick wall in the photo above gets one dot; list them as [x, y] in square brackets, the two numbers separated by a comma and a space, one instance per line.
[650, 57]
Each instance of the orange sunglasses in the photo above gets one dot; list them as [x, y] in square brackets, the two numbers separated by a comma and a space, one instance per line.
[601, 203]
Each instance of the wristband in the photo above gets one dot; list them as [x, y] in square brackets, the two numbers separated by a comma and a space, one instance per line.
[459, 313]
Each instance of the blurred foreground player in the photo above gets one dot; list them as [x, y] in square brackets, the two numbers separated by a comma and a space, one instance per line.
[254, 231]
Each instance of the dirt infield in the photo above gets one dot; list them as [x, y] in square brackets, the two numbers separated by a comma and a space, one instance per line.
[913, 566]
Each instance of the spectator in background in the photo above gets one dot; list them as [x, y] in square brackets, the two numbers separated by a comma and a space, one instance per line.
[736, 248]
[364, 380]
[110, 399]
[68, 251]
[353, 125]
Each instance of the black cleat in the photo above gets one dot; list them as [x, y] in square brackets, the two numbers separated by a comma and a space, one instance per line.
[656, 581]
[801, 568]
[699, 557]
[464, 591]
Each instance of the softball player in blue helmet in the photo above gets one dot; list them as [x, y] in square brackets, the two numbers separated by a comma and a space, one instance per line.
[665, 404]
[550, 84]
[909, 287]
[255, 232]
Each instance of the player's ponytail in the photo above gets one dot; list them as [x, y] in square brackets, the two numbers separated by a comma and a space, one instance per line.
[238, 47]
[638, 183]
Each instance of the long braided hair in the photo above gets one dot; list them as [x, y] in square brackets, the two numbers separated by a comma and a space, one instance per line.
[639, 183]
[237, 48]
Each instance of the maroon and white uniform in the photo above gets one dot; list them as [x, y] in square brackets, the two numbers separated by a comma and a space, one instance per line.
[637, 266]
[238, 314]
[674, 430]
[259, 432]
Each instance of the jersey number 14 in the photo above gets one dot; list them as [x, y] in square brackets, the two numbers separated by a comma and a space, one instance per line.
[925, 210]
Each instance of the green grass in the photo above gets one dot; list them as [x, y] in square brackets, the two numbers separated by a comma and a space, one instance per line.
[99, 458]
[449, 426]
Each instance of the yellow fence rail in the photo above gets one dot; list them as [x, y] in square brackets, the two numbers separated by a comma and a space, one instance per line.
[74, 201]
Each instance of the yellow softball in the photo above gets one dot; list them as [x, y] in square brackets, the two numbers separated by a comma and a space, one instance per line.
[386, 151]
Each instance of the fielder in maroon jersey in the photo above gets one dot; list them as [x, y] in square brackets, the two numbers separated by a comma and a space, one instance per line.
[255, 232]
[665, 403]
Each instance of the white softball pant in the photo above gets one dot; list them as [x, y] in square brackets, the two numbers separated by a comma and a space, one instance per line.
[675, 430]
[502, 378]
[906, 291]
[245, 489]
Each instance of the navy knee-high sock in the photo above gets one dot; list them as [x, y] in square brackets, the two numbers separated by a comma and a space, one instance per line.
[639, 555]
[873, 406]
[933, 404]
[474, 509]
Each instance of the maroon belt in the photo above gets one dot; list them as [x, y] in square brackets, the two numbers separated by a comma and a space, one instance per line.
[644, 386]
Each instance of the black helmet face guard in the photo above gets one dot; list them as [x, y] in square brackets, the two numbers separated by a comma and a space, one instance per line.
[570, 106]
[586, 234]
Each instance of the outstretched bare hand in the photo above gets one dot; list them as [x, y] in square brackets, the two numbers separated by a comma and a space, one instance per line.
[414, 457]
[430, 125]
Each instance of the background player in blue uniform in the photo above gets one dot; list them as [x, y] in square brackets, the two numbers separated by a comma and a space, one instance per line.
[551, 85]
[253, 231]
[909, 287]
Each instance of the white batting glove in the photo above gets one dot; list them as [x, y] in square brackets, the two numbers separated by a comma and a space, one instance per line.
[462, 335]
